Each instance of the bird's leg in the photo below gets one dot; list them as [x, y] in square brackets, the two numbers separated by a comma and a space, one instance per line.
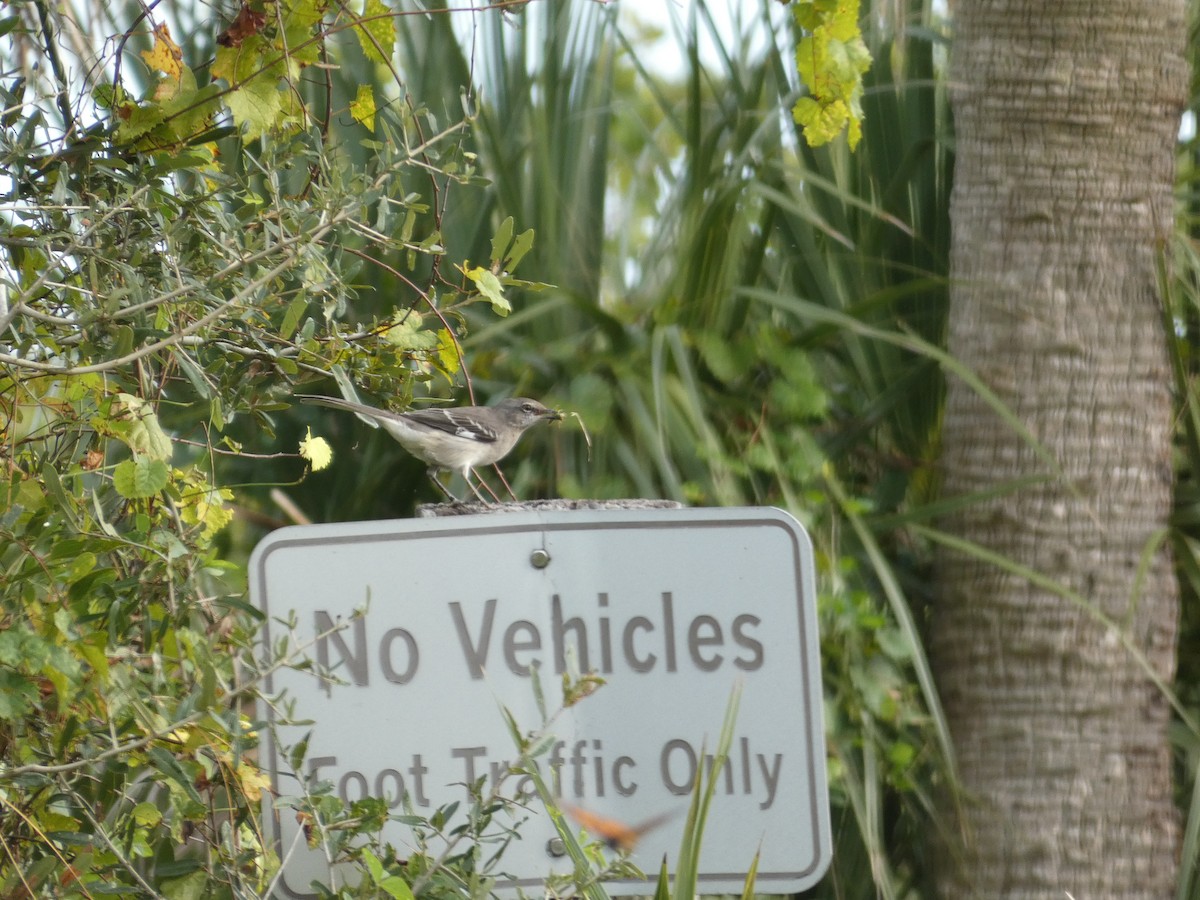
[503, 481]
[474, 490]
[433, 473]
[495, 496]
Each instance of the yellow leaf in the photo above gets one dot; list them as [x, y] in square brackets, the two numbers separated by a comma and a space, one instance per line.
[831, 59]
[363, 106]
[247, 731]
[179, 735]
[447, 353]
[253, 781]
[212, 511]
[316, 450]
[165, 56]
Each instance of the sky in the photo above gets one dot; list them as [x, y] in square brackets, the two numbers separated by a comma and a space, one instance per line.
[668, 14]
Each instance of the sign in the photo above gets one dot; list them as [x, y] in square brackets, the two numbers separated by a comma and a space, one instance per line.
[673, 608]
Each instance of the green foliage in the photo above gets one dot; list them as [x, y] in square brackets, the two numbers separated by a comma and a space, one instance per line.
[187, 245]
[166, 286]
[261, 65]
[120, 729]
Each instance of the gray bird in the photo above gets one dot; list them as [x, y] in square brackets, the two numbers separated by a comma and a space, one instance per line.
[458, 438]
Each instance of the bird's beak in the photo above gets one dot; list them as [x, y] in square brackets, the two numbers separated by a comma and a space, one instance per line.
[552, 415]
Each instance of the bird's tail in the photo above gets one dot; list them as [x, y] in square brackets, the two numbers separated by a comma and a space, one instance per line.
[368, 414]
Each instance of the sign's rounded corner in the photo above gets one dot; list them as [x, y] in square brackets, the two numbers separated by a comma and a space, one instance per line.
[278, 539]
[268, 543]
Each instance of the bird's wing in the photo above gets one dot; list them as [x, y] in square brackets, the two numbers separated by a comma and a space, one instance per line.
[460, 422]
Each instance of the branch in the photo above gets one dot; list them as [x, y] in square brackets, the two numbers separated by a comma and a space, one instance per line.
[176, 338]
[77, 244]
[56, 66]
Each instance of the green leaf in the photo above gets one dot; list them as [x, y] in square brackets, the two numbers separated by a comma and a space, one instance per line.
[140, 477]
[291, 318]
[147, 813]
[297, 753]
[489, 285]
[521, 246]
[253, 72]
[662, 888]
[236, 64]
[54, 487]
[798, 392]
[407, 334]
[53, 821]
[541, 745]
[169, 766]
[374, 866]
[410, 220]
[195, 376]
[188, 887]
[302, 15]
[508, 252]
[751, 876]
[188, 112]
[447, 353]
[257, 107]
[375, 31]
[93, 653]
[721, 357]
[502, 239]
[392, 885]
[139, 427]
[137, 121]
[22, 649]
[83, 564]
[16, 695]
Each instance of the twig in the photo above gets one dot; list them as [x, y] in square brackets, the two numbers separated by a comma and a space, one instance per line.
[61, 98]
[176, 338]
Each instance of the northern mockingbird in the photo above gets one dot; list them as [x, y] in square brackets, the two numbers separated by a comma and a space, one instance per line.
[458, 438]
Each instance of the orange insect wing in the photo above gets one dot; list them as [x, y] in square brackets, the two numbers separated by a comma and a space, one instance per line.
[616, 834]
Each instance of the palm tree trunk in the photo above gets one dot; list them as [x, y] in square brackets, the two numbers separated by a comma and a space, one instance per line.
[1048, 652]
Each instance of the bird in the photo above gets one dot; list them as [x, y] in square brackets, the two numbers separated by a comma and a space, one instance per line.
[457, 438]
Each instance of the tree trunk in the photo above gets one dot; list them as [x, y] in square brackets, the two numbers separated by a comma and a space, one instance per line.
[1058, 613]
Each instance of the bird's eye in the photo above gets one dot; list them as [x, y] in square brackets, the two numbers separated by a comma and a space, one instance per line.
[527, 407]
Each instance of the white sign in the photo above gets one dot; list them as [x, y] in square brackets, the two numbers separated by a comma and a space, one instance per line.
[672, 608]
